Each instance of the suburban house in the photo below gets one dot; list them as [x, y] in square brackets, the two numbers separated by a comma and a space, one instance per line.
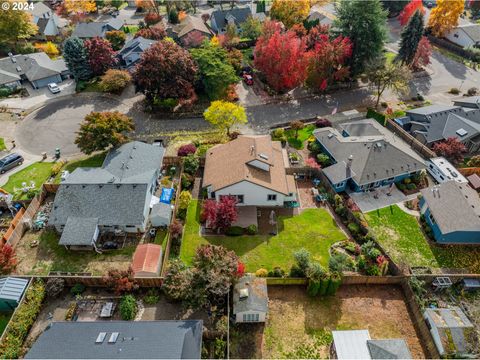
[220, 19]
[11, 292]
[147, 260]
[132, 51]
[114, 198]
[452, 210]
[433, 123]
[47, 21]
[37, 69]
[466, 35]
[250, 299]
[365, 155]
[452, 331]
[357, 344]
[88, 30]
[191, 32]
[320, 17]
[251, 168]
[119, 340]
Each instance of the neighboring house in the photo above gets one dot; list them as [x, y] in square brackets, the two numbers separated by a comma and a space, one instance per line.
[220, 19]
[365, 156]
[132, 51]
[322, 17]
[452, 210]
[356, 344]
[251, 168]
[433, 123]
[119, 340]
[474, 181]
[442, 170]
[466, 35]
[191, 32]
[250, 299]
[46, 20]
[452, 331]
[113, 198]
[37, 69]
[147, 260]
[11, 292]
[88, 30]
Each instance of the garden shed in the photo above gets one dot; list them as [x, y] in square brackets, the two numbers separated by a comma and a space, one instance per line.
[250, 299]
[161, 214]
[11, 292]
[147, 260]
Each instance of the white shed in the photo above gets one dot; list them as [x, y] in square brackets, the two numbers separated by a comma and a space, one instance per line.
[250, 299]
[161, 214]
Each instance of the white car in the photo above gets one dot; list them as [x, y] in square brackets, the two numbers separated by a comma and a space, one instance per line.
[53, 87]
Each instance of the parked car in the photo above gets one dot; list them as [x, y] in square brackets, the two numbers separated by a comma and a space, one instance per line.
[10, 161]
[53, 87]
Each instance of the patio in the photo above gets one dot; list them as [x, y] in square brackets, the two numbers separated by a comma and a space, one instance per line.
[247, 215]
[366, 201]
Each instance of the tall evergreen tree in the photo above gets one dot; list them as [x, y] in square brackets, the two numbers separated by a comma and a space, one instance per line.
[364, 23]
[75, 55]
[411, 36]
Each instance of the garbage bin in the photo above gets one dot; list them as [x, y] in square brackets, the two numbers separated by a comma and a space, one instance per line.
[57, 153]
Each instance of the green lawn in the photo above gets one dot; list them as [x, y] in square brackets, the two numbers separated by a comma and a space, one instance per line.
[2, 144]
[314, 230]
[131, 29]
[39, 172]
[303, 135]
[161, 239]
[90, 161]
[400, 234]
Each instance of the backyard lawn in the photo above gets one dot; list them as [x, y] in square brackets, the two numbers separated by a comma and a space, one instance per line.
[303, 135]
[91, 161]
[49, 256]
[39, 173]
[314, 230]
[400, 234]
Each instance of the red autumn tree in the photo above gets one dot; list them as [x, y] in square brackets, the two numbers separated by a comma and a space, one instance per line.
[270, 27]
[8, 261]
[193, 39]
[101, 56]
[452, 149]
[299, 29]
[315, 35]
[282, 60]
[422, 55]
[152, 33]
[165, 71]
[209, 212]
[121, 281]
[226, 212]
[152, 18]
[327, 62]
[409, 10]
[240, 269]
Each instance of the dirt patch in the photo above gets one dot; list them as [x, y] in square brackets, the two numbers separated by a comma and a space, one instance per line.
[297, 324]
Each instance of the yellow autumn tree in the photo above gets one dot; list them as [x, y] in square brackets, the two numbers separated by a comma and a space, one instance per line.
[215, 41]
[76, 6]
[290, 12]
[224, 115]
[444, 16]
[49, 48]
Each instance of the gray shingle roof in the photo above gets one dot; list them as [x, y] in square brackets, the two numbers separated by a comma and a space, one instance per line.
[257, 299]
[456, 207]
[136, 340]
[7, 77]
[88, 30]
[240, 15]
[338, 172]
[12, 288]
[389, 349]
[79, 231]
[136, 45]
[360, 129]
[375, 158]
[39, 8]
[431, 109]
[472, 31]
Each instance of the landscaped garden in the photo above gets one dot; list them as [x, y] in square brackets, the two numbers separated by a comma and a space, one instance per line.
[39, 173]
[401, 236]
[314, 229]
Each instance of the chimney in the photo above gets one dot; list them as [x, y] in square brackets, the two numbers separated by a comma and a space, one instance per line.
[252, 150]
[350, 160]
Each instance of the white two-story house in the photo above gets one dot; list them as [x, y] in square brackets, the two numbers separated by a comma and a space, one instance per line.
[251, 168]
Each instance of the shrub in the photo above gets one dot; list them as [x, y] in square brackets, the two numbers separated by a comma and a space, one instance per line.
[341, 211]
[251, 229]
[234, 231]
[166, 104]
[261, 273]
[454, 91]
[77, 289]
[152, 18]
[4, 92]
[340, 262]
[321, 123]
[384, 104]
[401, 186]
[279, 134]
[187, 149]
[191, 164]
[411, 186]
[187, 181]
[72, 307]
[354, 228]
[128, 307]
[407, 181]
[302, 258]
[114, 81]
[472, 91]
[152, 297]
[276, 272]
[26, 48]
[295, 271]
[323, 159]
[57, 167]
[176, 229]
[474, 161]
[373, 270]
[54, 287]
[361, 263]
[314, 147]
[184, 200]
[173, 16]
[420, 97]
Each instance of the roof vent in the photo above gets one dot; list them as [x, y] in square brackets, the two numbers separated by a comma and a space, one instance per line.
[330, 135]
[263, 156]
[101, 336]
[243, 293]
[19, 69]
[461, 132]
[378, 145]
[113, 338]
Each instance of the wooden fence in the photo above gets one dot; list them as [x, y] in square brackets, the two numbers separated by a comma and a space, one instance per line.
[409, 139]
[469, 171]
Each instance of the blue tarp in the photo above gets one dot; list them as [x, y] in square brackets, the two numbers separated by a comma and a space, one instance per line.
[166, 196]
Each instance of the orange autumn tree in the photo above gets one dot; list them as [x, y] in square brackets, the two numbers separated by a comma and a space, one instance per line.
[409, 10]
[444, 16]
[290, 12]
[75, 6]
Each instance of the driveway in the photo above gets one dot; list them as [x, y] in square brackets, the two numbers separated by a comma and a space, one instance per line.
[38, 96]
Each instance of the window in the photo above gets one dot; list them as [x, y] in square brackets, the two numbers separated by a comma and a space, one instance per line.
[251, 317]
[340, 184]
[271, 197]
[212, 195]
[239, 199]
[432, 219]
